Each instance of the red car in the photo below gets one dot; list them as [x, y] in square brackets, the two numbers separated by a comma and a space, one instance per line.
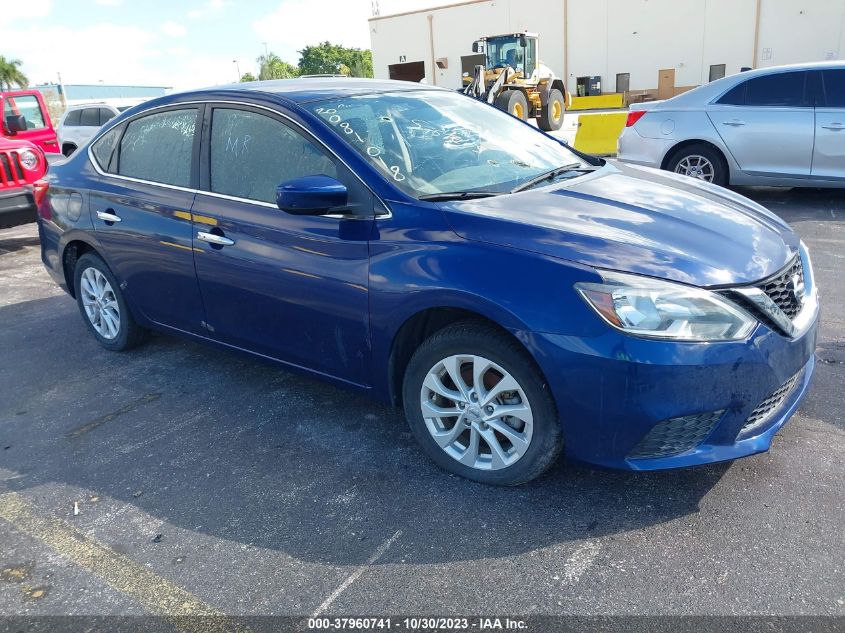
[25, 117]
[22, 165]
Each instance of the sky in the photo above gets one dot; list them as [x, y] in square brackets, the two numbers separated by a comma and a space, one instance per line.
[178, 43]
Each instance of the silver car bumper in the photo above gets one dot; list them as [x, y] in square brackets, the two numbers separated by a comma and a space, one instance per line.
[633, 148]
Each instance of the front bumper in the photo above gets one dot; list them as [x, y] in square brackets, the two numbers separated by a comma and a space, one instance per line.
[17, 206]
[612, 391]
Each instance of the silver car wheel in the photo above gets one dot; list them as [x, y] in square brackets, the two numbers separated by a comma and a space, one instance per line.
[696, 166]
[100, 303]
[476, 412]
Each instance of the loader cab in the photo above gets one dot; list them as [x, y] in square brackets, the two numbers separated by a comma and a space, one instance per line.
[516, 50]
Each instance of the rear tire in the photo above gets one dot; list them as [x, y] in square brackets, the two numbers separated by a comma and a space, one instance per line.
[103, 306]
[513, 102]
[481, 441]
[551, 114]
[68, 149]
[700, 161]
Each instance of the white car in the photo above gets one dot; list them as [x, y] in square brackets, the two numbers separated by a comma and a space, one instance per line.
[781, 126]
[80, 122]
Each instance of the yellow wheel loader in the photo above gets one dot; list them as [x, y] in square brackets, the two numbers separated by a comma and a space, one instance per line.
[514, 80]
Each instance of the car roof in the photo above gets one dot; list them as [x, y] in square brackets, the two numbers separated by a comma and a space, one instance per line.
[313, 88]
[704, 93]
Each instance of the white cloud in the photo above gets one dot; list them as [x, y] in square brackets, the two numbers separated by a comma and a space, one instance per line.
[300, 23]
[35, 9]
[208, 9]
[173, 29]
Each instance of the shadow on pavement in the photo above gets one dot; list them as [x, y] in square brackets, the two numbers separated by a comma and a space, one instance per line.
[225, 445]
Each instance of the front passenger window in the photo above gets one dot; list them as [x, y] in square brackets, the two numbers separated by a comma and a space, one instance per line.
[251, 154]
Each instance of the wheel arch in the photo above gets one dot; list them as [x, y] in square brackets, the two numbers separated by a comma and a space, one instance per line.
[689, 143]
[69, 144]
[422, 324]
[71, 252]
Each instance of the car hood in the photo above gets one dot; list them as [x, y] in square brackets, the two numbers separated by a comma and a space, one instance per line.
[639, 220]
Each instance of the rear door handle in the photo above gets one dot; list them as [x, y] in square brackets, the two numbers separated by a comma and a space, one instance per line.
[734, 122]
[108, 216]
[213, 238]
[834, 126]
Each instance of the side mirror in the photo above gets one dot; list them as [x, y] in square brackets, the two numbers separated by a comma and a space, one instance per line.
[311, 195]
[476, 47]
[522, 41]
[15, 123]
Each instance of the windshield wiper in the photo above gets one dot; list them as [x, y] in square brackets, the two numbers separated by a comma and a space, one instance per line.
[549, 175]
[458, 195]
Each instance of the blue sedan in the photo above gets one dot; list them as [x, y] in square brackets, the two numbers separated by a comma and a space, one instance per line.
[515, 297]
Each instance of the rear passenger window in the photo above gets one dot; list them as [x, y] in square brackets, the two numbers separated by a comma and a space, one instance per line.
[251, 154]
[105, 115]
[834, 88]
[159, 147]
[72, 119]
[103, 148]
[781, 89]
[90, 117]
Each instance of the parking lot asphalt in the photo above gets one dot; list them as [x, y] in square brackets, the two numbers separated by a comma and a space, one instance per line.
[179, 478]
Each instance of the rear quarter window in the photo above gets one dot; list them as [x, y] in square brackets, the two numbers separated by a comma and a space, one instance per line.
[72, 118]
[103, 149]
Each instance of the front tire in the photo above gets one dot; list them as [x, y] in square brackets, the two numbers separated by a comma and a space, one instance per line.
[103, 306]
[479, 406]
[513, 102]
[551, 114]
[699, 161]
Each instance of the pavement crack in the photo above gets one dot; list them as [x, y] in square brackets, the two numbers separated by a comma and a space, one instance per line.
[97, 422]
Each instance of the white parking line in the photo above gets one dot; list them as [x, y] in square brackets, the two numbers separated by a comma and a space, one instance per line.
[356, 574]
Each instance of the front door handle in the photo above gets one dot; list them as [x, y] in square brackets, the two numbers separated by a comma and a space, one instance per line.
[213, 238]
[108, 216]
[834, 126]
[734, 122]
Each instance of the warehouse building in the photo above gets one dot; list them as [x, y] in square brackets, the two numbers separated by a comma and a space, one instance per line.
[117, 96]
[647, 48]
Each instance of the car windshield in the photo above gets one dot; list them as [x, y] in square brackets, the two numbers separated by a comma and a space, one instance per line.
[438, 142]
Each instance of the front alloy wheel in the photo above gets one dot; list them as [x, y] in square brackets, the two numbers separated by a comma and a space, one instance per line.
[476, 412]
[479, 405]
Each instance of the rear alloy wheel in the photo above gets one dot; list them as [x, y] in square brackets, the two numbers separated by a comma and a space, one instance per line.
[103, 307]
[700, 162]
[479, 406]
[513, 102]
[551, 114]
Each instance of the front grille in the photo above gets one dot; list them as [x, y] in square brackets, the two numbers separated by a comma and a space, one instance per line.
[11, 172]
[675, 435]
[786, 290]
[766, 409]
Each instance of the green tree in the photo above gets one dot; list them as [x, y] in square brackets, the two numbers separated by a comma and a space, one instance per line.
[247, 76]
[11, 75]
[271, 66]
[332, 59]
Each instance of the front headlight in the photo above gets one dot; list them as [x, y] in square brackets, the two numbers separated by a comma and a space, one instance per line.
[28, 158]
[661, 309]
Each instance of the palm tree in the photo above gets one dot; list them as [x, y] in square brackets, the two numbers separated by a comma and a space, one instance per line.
[10, 74]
